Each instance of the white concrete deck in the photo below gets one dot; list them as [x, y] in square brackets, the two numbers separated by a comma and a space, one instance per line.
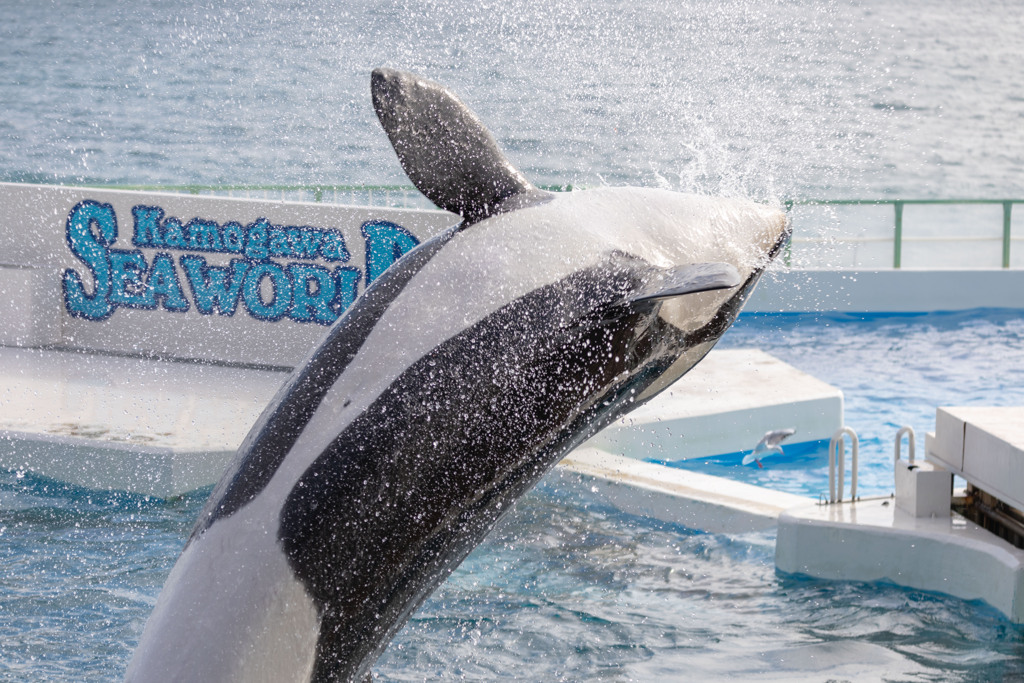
[983, 445]
[691, 499]
[925, 546]
[887, 290]
[872, 540]
[163, 427]
[150, 426]
[725, 405]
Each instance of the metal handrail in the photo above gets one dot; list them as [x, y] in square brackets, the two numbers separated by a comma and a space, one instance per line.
[911, 439]
[197, 188]
[837, 454]
[409, 195]
[898, 204]
[406, 194]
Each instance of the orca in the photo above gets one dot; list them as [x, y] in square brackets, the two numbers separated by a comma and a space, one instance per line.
[442, 395]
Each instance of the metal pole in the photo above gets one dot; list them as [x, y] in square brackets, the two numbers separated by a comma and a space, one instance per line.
[787, 256]
[897, 248]
[1007, 210]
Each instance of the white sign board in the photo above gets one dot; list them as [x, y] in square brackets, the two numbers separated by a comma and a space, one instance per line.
[197, 277]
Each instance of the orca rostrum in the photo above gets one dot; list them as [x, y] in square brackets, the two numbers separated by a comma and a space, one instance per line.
[446, 391]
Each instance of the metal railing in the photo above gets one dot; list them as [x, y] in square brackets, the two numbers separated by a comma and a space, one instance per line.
[394, 196]
[406, 196]
[837, 459]
[898, 206]
[911, 443]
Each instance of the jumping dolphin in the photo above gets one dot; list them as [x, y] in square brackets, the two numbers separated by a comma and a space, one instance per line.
[446, 391]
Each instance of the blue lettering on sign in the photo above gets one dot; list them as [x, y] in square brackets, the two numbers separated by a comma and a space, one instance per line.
[258, 240]
[386, 242]
[91, 229]
[266, 289]
[280, 291]
[164, 286]
[127, 279]
[348, 286]
[215, 287]
[313, 294]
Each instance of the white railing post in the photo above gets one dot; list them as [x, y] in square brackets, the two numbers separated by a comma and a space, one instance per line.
[911, 438]
[837, 455]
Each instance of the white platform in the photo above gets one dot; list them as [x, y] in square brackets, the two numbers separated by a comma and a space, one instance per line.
[151, 426]
[983, 445]
[163, 427]
[725, 405]
[691, 499]
[914, 539]
[871, 540]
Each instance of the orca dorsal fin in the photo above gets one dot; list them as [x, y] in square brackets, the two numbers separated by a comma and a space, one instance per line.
[688, 279]
[447, 152]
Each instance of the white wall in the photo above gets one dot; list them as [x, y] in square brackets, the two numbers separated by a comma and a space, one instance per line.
[887, 291]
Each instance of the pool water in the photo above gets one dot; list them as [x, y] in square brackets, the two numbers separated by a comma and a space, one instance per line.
[894, 370]
[801, 468]
[567, 588]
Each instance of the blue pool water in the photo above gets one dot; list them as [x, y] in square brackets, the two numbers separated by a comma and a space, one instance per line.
[566, 588]
[801, 468]
[893, 369]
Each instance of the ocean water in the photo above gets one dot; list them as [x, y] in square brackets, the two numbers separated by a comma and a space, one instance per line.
[772, 99]
[783, 99]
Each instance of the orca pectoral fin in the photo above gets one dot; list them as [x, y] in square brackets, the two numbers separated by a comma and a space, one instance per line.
[447, 152]
[689, 279]
[672, 282]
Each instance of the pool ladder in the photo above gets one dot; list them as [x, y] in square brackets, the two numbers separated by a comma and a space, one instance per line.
[837, 454]
[837, 457]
